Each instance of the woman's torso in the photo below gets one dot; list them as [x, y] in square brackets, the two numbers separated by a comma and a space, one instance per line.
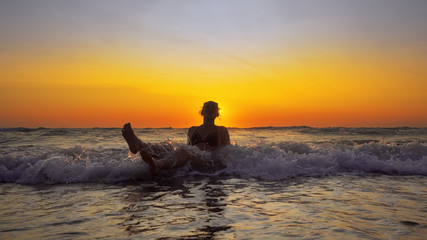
[211, 138]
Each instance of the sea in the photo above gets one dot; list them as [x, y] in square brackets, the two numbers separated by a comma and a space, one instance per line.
[278, 183]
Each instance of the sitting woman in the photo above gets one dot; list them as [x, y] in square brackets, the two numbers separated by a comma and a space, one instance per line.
[207, 137]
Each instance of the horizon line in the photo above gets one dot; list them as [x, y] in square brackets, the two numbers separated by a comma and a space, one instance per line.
[169, 127]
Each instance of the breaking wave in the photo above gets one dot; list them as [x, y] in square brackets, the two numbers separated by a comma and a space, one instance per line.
[273, 161]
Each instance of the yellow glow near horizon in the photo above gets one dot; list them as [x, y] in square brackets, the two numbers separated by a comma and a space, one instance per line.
[157, 62]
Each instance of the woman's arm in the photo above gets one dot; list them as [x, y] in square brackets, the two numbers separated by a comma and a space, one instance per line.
[190, 134]
[224, 137]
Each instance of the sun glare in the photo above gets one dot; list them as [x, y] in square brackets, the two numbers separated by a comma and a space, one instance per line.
[265, 65]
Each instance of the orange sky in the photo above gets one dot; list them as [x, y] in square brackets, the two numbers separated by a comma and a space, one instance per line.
[267, 63]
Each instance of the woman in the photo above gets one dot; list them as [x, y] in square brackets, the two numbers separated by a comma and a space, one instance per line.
[207, 137]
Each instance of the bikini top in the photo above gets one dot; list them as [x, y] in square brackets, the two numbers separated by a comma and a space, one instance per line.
[211, 139]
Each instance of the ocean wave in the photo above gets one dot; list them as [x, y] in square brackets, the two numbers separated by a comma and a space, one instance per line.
[275, 161]
[35, 164]
[288, 160]
[376, 131]
[21, 129]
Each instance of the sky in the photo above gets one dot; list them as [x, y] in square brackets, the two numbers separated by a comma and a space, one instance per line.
[351, 63]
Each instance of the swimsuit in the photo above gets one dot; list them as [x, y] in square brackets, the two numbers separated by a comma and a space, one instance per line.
[211, 139]
[214, 162]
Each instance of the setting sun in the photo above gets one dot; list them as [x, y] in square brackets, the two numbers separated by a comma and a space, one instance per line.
[156, 63]
[213, 119]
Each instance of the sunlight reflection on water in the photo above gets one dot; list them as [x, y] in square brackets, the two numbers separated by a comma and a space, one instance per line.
[346, 207]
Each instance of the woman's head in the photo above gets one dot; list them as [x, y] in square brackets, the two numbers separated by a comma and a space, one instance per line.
[210, 109]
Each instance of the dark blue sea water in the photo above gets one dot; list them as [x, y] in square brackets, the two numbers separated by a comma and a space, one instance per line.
[291, 182]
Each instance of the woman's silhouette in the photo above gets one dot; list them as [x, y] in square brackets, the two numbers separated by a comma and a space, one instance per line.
[207, 137]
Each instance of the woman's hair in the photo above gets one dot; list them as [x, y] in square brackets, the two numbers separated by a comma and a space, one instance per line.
[209, 102]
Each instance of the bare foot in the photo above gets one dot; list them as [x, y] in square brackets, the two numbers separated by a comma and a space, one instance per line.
[133, 141]
[154, 168]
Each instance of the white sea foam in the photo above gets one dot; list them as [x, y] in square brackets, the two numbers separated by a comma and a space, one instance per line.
[273, 161]
[287, 160]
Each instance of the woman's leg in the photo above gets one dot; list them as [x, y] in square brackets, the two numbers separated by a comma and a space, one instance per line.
[136, 145]
[182, 156]
[179, 159]
[197, 162]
